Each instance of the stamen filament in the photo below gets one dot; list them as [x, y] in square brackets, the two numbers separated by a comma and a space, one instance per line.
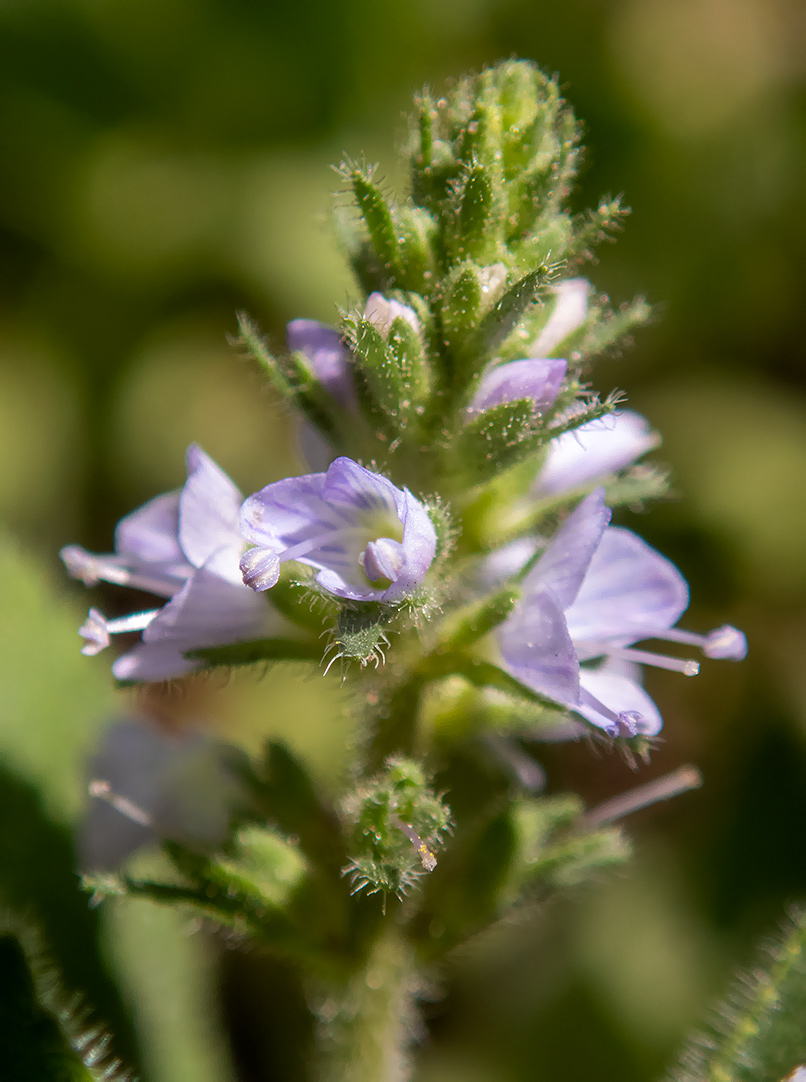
[686, 666]
[304, 547]
[679, 781]
[103, 791]
[137, 621]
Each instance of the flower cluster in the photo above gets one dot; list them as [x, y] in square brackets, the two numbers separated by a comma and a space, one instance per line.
[456, 519]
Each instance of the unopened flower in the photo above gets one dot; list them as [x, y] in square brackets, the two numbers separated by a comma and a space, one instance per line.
[536, 379]
[593, 593]
[329, 358]
[382, 312]
[184, 546]
[568, 314]
[593, 451]
[368, 539]
[147, 785]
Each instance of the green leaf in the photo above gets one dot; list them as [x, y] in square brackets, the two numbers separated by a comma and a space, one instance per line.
[758, 1035]
[378, 218]
[249, 653]
[43, 1036]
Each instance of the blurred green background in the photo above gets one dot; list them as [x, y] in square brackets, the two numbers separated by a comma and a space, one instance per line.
[164, 163]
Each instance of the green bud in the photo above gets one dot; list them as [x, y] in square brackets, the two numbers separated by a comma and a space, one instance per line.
[417, 243]
[380, 383]
[361, 635]
[496, 439]
[264, 867]
[377, 216]
[398, 826]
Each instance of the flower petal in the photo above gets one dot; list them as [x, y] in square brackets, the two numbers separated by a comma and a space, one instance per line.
[207, 611]
[285, 512]
[622, 696]
[151, 533]
[569, 313]
[178, 785]
[505, 562]
[564, 564]
[537, 649]
[629, 593]
[209, 507]
[419, 545]
[329, 357]
[538, 380]
[593, 451]
[382, 313]
[353, 488]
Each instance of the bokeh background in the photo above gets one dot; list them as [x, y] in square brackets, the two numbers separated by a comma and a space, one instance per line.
[166, 162]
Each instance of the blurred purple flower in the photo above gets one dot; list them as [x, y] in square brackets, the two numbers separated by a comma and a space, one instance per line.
[184, 546]
[594, 450]
[568, 314]
[369, 539]
[148, 784]
[329, 358]
[593, 593]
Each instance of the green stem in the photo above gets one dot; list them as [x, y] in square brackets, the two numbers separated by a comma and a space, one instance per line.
[366, 1026]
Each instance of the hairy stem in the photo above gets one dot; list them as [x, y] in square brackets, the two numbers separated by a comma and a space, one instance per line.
[367, 1025]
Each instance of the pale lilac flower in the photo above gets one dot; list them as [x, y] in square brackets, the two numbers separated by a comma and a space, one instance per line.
[368, 539]
[536, 379]
[147, 784]
[185, 546]
[593, 451]
[329, 358]
[381, 313]
[593, 593]
[568, 314]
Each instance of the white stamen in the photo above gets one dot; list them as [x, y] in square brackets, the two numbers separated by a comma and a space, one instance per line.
[137, 621]
[686, 666]
[302, 548]
[679, 781]
[103, 791]
[92, 569]
[97, 629]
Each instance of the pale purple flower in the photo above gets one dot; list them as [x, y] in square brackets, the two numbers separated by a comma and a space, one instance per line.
[185, 546]
[594, 592]
[568, 314]
[381, 313]
[369, 540]
[147, 784]
[593, 451]
[537, 379]
[329, 358]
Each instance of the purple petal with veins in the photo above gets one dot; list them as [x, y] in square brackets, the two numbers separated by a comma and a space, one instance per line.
[328, 520]
[537, 648]
[565, 562]
[630, 592]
